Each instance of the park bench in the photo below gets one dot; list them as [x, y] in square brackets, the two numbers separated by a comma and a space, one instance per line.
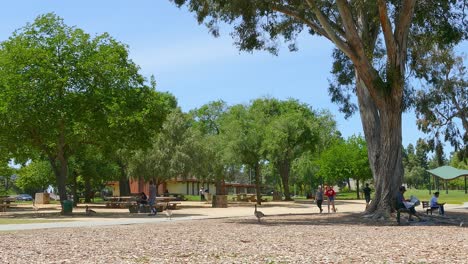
[428, 208]
[3, 207]
[402, 210]
[172, 205]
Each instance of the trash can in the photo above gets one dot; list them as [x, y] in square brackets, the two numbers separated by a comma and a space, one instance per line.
[67, 207]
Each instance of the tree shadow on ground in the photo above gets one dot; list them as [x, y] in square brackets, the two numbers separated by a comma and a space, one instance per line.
[100, 214]
[352, 219]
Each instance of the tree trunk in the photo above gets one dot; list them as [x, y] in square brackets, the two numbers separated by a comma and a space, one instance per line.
[61, 173]
[382, 129]
[75, 188]
[284, 169]
[88, 190]
[357, 189]
[389, 167]
[124, 184]
[257, 183]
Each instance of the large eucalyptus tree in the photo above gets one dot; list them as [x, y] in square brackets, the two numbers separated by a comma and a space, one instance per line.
[375, 38]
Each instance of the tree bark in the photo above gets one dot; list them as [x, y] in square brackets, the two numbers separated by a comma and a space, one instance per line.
[257, 183]
[124, 184]
[357, 189]
[60, 170]
[74, 189]
[284, 169]
[88, 190]
[389, 167]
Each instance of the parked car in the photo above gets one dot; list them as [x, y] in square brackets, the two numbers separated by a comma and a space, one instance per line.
[24, 197]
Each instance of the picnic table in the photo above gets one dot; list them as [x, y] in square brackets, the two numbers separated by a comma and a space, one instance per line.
[248, 197]
[5, 202]
[162, 203]
[120, 201]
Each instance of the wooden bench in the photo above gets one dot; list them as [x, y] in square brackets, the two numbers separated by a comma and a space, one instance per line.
[402, 210]
[172, 205]
[3, 207]
[113, 204]
[426, 206]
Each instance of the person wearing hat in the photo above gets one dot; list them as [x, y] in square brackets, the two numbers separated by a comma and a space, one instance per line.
[401, 203]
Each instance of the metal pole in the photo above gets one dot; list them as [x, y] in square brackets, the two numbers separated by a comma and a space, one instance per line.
[446, 187]
[430, 187]
[465, 184]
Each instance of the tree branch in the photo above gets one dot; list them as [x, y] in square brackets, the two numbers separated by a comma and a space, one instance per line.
[350, 28]
[342, 45]
[403, 24]
[387, 31]
[290, 13]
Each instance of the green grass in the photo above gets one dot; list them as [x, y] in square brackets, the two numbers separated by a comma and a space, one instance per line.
[9, 221]
[453, 196]
[192, 197]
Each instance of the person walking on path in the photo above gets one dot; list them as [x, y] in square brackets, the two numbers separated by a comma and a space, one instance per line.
[152, 198]
[435, 203]
[330, 193]
[319, 198]
[367, 191]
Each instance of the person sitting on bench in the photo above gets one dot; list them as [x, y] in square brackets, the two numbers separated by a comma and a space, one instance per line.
[143, 199]
[401, 204]
[436, 205]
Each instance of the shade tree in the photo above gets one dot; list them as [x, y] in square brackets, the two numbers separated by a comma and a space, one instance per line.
[62, 88]
[377, 39]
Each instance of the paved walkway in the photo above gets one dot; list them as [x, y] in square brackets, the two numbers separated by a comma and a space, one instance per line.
[188, 211]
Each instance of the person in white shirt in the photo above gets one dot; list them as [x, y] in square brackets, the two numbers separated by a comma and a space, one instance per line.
[435, 203]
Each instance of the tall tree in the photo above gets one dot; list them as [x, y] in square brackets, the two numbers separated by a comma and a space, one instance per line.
[243, 132]
[345, 159]
[291, 131]
[363, 31]
[174, 151]
[34, 177]
[214, 163]
[443, 103]
[62, 88]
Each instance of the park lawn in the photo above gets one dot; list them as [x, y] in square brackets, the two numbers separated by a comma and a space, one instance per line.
[453, 196]
[12, 221]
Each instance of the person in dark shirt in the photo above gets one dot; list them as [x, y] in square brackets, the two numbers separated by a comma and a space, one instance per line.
[319, 198]
[367, 191]
[143, 199]
[401, 203]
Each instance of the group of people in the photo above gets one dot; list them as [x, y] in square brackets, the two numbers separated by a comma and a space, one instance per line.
[151, 200]
[404, 203]
[331, 194]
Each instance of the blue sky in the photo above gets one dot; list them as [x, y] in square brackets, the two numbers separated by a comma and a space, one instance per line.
[197, 68]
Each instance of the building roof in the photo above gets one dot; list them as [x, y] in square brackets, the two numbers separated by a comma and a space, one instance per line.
[448, 172]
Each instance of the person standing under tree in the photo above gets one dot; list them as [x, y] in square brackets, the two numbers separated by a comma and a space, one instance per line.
[202, 194]
[152, 198]
[319, 198]
[330, 193]
[367, 191]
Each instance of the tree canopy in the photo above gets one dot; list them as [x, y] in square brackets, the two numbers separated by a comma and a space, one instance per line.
[377, 41]
[62, 88]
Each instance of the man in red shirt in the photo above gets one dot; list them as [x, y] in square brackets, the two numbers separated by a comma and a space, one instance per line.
[330, 193]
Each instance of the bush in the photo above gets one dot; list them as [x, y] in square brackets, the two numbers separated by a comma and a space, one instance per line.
[345, 189]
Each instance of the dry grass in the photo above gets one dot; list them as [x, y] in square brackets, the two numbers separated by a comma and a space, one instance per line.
[305, 238]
